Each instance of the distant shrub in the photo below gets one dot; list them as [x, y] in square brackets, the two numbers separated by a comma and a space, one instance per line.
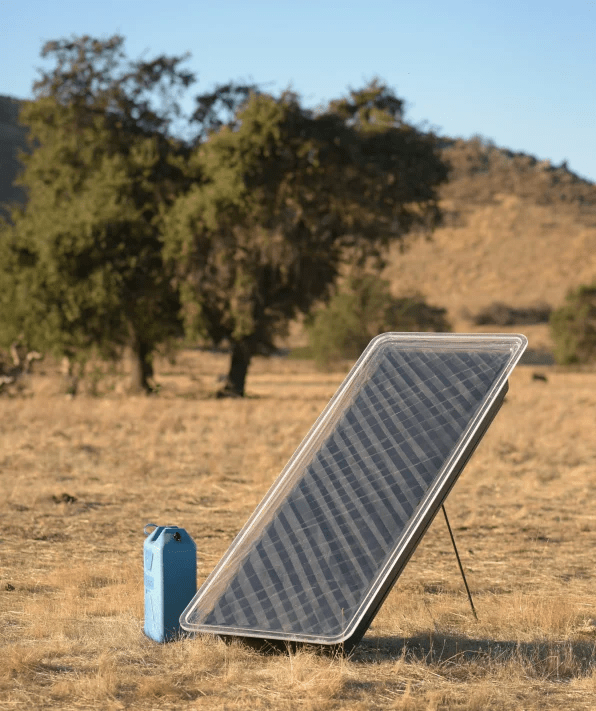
[573, 327]
[362, 310]
[500, 314]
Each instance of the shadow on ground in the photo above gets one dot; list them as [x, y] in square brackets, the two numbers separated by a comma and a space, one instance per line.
[564, 659]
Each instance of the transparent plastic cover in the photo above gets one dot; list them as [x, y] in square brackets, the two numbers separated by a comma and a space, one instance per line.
[318, 551]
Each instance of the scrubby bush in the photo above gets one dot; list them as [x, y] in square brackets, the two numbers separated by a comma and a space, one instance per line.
[500, 314]
[573, 327]
[360, 311]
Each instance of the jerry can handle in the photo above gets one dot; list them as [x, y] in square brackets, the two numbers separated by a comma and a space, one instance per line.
[149, 525]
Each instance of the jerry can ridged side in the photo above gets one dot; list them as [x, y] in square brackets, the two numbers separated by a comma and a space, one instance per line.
[170, 573]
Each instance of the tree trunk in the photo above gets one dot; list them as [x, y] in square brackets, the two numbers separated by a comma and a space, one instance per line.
[71, 381]
[141, 367]
[236, 378]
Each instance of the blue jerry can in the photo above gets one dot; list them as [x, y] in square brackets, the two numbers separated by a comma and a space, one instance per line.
[170, 579]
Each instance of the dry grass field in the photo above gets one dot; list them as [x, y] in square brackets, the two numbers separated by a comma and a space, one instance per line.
[80, 477]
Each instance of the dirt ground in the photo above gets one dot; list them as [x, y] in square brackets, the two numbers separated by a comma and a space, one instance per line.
[80, 477]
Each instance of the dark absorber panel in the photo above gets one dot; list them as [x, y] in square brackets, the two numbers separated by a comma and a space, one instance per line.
[317, 557]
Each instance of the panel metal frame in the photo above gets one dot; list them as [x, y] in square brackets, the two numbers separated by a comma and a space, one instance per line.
[418, 522]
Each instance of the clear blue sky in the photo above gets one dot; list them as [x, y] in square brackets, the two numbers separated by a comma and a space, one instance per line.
[520, 73]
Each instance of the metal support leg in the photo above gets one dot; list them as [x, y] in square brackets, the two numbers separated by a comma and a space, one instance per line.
[461, 569]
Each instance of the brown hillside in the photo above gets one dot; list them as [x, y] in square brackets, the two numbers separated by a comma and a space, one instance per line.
[517, 231]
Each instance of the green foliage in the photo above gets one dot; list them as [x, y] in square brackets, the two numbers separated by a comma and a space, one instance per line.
[12, 138]
[573, 327]
[82, 266]
[126, 230]
[363, 309]
[281, 197]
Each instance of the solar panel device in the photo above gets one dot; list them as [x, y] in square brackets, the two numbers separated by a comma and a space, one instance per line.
[320, 553]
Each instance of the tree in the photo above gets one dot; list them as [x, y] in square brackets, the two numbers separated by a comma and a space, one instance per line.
[83, 269]
[573, 327]
[281, 198]
[362, 309]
